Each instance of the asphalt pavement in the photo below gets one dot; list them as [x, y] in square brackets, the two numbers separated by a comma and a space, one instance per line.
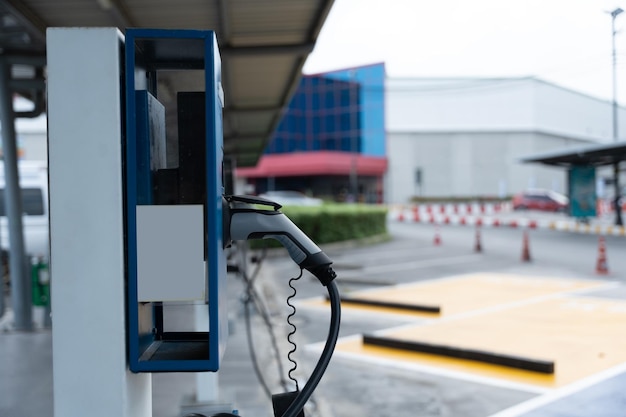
[353, 385]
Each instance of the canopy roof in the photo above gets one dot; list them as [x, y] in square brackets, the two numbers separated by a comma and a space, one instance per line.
[263, 44]
[320, 163]
[594, 155]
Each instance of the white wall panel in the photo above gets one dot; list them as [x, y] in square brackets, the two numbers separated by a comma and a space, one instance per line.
[467, 135]
[87, 263]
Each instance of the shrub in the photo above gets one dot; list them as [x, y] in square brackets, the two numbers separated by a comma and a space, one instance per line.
[334, 222]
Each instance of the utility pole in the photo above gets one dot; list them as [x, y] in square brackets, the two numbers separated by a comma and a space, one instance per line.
[354, 136]
[617, 205]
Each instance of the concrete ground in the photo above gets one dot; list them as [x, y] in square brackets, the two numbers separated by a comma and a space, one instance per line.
[353, 386]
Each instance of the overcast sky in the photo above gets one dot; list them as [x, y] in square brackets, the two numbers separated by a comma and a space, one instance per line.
[567, 42]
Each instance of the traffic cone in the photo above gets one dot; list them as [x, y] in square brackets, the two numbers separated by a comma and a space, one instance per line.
[437, 240]
[526, 248]
[478, 247]
[602, 267]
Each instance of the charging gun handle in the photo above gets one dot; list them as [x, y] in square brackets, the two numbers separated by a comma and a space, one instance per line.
[248, 223]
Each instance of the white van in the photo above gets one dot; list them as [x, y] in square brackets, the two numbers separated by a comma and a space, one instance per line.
[34, 188]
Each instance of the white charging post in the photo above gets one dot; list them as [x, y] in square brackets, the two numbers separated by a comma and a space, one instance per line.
[87, 261]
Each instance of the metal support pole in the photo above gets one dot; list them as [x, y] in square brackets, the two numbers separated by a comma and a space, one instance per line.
[618, 208]
[354, 131]
[616, 202]
[2, 290]
[20, 280]
[614, 55]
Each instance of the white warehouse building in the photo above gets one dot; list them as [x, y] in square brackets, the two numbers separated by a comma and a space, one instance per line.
[460, 137]
[463, 137]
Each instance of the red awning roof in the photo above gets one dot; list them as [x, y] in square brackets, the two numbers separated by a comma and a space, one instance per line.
[299, 164]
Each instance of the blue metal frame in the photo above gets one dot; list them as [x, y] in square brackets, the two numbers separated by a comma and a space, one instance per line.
[175, 49]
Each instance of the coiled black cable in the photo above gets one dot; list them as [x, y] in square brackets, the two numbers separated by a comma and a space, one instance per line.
[292, 332]
[333, 334]
[331, 341]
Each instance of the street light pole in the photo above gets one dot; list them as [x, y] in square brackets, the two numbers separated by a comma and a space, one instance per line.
[614, 14]
[354, 137]
[618, 209]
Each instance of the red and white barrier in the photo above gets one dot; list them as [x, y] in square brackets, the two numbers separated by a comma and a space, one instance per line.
[414, 214]
[459, 209]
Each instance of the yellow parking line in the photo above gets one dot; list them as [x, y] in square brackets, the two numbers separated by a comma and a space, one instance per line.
[582, 335]
[471, 292]
[507, 314]
[355, 347]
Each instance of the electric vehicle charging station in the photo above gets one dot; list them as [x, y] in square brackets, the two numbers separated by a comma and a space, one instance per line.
[133, 233]
[174, 211]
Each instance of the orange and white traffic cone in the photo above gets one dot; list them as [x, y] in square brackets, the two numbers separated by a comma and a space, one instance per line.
[478, 247]
[602, 267]
[526, 248]
[437, 239]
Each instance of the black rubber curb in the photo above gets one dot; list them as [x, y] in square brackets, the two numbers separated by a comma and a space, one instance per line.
[389, 304]
[518, 362]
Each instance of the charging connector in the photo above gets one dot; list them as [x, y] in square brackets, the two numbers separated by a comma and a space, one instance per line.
[247, 222]
[242, 222]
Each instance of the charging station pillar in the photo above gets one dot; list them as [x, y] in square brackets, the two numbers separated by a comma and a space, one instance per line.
[85, 132]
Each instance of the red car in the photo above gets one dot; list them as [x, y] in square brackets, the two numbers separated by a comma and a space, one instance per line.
[544, 200]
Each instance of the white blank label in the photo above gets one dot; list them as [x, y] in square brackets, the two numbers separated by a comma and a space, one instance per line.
[170, 253]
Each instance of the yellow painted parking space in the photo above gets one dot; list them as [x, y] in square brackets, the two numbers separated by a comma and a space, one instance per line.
[356, 348]
[385, 310]
[582, 335]
[470, 292]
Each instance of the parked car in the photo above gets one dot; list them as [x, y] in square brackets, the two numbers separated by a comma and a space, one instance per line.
[545, 200]
[291, 198]
[34, 191]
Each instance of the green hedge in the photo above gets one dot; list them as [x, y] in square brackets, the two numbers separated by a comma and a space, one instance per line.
[334, 222]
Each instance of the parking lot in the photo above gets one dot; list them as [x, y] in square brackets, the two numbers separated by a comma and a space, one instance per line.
[554, 308]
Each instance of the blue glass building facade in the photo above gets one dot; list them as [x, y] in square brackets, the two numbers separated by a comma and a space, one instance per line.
[323, 115]
[331, 139]
[370, 106]
[335, 111]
